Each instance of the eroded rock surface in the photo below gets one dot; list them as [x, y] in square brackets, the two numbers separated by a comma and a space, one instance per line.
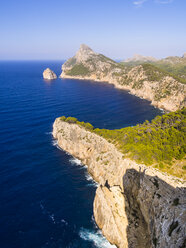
[135, 206]
[49, 74]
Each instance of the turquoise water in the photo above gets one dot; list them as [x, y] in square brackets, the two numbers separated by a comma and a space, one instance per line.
[46, 195]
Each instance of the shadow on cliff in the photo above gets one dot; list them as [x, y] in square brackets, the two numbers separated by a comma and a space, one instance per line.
[154, 210]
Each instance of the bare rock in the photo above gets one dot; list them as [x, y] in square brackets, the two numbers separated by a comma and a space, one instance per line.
[49, 74]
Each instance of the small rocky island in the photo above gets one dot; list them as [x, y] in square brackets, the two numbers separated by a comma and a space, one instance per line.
[49, 74]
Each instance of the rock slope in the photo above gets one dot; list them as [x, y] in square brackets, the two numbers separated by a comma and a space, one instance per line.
[135, 206]
[146, 81]
[49, 74]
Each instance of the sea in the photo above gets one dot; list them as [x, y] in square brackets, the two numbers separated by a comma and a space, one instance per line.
[46, 195]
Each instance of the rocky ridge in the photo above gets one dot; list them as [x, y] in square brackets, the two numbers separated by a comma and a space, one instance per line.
[49, 74]
[148, 82]
[134, 205]
[141, 58]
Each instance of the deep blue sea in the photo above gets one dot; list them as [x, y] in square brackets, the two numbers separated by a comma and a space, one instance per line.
[46, 196]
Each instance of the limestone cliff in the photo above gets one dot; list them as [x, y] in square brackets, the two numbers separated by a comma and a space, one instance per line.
[49, 74]
[146, 81]
[135, 206]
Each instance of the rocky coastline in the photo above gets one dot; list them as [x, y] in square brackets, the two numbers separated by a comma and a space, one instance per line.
[134, 205]
[147, 82]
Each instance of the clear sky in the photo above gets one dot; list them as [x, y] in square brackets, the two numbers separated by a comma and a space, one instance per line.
[54, 29]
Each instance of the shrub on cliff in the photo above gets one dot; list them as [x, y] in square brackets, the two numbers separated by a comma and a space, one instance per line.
[62, 118]
[71, 119]
[86, 125]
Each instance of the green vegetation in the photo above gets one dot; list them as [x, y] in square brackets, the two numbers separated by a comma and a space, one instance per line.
[174, 65]
[157, 70]
[154, 73]
[78, 70]
[161, 142]
[73, 120]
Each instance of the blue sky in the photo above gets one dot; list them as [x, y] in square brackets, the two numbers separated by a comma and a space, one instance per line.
[45, 29]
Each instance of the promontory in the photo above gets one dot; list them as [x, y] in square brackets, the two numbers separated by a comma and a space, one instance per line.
[138, 203]
[141, 170]
[146, 80]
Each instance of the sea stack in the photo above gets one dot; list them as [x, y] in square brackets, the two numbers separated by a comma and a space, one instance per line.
[49, 74]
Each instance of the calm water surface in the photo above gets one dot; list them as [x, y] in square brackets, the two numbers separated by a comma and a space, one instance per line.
[46, 197]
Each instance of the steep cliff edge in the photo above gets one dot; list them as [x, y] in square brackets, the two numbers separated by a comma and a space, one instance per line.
[135, 205]
[146, 81]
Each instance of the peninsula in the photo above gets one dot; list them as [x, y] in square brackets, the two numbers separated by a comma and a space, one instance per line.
[140, 200]
[164, 90]
[136, 205]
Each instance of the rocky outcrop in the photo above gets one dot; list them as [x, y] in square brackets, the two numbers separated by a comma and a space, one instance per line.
[146, 82]
[49, 74]
[134, 206]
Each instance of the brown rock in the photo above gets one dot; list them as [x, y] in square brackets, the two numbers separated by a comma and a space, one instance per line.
[49, 74]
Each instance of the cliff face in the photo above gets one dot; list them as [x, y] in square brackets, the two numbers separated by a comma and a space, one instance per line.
[149, 83]
[135, 206]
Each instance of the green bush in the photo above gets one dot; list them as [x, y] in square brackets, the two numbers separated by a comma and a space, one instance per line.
[71, 120]
[62, 118]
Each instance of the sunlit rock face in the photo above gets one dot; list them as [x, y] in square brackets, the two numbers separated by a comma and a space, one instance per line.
[49, 74]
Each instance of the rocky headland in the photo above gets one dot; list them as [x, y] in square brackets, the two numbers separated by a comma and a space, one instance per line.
[135, 206]
[145, 80]
[49, 74]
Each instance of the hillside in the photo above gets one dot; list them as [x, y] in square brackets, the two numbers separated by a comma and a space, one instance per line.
[147, 81]
[174, 65]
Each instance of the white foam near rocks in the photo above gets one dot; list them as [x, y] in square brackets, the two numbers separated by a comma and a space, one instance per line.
[91, 180]
[95, 237]
[75, 161]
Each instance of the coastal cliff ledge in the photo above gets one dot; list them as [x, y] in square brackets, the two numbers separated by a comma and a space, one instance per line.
[134, 206]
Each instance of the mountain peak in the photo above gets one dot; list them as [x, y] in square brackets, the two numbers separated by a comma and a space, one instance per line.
[84, 53]
[84, 47]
